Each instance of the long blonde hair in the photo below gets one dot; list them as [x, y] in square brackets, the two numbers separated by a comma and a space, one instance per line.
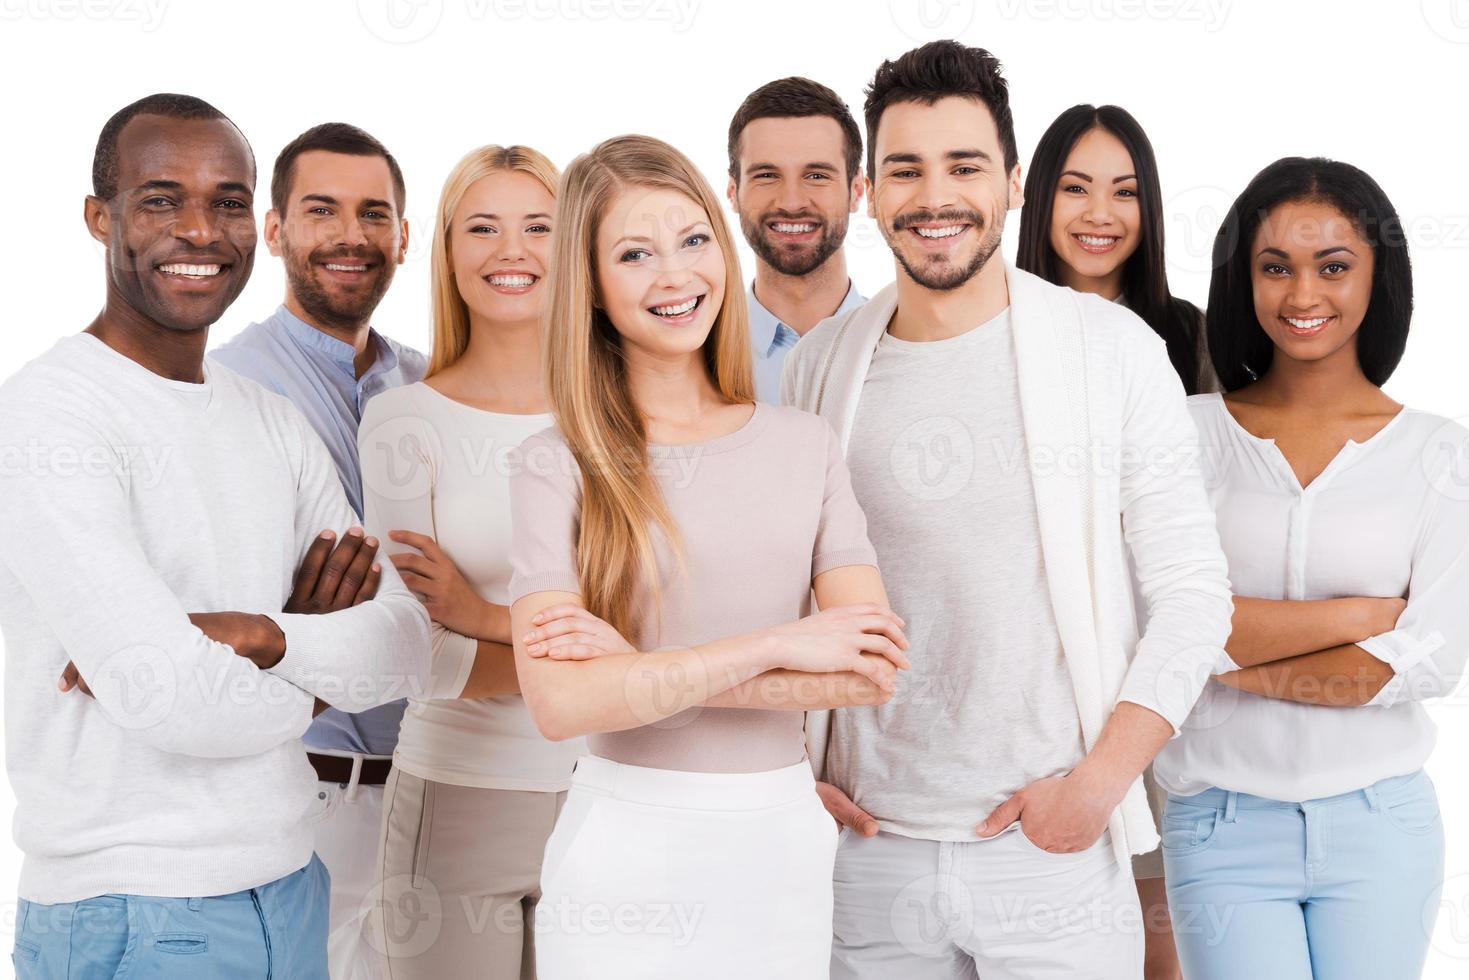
[450, 312]
[586, 381]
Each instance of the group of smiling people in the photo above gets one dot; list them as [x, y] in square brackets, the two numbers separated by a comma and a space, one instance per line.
[1019, 621]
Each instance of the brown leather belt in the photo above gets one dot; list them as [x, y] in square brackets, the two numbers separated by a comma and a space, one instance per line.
[336, 769]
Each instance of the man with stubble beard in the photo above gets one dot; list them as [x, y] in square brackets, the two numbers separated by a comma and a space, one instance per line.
[336, 221]
[172, 607]
[795, 174]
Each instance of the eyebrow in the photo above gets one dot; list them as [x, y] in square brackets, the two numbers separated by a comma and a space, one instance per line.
[495, 217]
[371, 202]
[1319, 255]
[232, 186]
[1088, 179]
[961, 154]
[828, 167]
[644, 238]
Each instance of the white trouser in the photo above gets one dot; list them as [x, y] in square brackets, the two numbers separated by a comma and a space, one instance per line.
[348, 824]
[997, 909]
[653, 874]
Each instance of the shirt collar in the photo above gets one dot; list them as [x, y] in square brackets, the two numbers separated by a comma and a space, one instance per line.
[339, 351]
[764, 324]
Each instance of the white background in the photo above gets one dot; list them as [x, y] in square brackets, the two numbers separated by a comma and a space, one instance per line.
[1222, 86]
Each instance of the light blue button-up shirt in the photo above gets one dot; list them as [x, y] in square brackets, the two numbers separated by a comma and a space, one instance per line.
[315, 371]
[771, 339]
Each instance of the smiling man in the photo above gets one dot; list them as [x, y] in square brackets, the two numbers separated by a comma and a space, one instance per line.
[168, 631]
[993, 425]
[336, 222]
[795, 159]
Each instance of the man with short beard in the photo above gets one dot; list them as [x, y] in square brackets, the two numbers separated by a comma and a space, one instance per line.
[172, 607]
[794, 176]
[1013, 444]
[336, 221]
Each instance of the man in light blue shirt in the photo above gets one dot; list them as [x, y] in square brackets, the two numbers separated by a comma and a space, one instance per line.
[337, 199]
[794, 178]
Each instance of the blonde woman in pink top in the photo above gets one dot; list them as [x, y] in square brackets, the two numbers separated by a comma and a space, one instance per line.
[666, 507]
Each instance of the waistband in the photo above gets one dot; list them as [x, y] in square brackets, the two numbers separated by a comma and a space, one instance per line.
[729, 791]
[1230, 800]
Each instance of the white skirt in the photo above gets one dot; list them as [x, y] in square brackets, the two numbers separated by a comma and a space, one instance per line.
[654, 873]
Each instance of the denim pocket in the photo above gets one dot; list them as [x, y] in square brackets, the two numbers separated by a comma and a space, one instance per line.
[1187, 830]
[1415, 813]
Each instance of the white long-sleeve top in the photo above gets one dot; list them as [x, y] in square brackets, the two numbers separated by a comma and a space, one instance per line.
[128, 501]
[1388, 517]
[441, 468]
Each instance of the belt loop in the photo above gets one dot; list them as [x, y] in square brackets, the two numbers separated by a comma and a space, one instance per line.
[195, 903]
[1230, 800]
[1373, 802]
[353, 779]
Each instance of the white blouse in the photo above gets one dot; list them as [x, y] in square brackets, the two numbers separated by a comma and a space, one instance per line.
[1387, 517]
[436, 466]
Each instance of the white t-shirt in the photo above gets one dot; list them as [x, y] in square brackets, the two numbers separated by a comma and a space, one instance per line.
[439, 467]
[939, 464]
[1387, 517]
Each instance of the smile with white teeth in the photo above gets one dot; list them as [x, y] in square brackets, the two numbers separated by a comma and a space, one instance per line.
[948, 231]
[788, 228]
[678, 310]
[1305, 323]
[339, 267]
[191, 271]
[1099, 241]
[511, 281]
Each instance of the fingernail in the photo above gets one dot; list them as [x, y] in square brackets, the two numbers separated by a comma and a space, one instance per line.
[533, 648]
[372, 541]
[376, 567]
[355, 532]
[327, 535]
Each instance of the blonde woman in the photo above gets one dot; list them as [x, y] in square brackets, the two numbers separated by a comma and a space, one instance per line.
[669, 508]
[475, 789]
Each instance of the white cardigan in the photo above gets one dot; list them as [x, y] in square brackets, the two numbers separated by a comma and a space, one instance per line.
[1114, 458]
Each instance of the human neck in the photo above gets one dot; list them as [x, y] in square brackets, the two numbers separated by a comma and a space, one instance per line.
[925, 314]
[501, 367]
[1108, 287]
[174, 354]
[357, 334]
[801, 302]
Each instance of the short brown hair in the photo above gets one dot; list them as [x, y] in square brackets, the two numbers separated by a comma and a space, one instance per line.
[332, 137]
[794, 98]
[935, 71]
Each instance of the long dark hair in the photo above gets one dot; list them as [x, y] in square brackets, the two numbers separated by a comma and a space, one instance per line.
[1238, 345]
[1145, 276]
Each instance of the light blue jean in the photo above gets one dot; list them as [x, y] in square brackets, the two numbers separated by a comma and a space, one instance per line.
[274, 932]
[1330, 889]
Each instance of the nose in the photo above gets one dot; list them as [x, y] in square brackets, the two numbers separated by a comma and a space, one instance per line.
[1304, 292]
[1098, 208]
[197, 224]
[510, 247]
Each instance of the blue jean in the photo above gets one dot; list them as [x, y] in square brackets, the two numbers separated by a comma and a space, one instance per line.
[276, 931]
[1333, 888]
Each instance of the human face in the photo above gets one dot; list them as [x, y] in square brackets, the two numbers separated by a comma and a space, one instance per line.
[942, 189]
[340, 235]
[180, 232]
[794, 194]
[1311, 271]
[1095, 216]
[660, 272]
[500, 245]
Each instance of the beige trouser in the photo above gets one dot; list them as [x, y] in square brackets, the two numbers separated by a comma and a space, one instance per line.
[461, 869]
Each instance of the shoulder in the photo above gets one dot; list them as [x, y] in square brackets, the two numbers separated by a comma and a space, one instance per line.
[412, 364]
[249, 353]
[1209, 413]
[408, 399]
[59, 382]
